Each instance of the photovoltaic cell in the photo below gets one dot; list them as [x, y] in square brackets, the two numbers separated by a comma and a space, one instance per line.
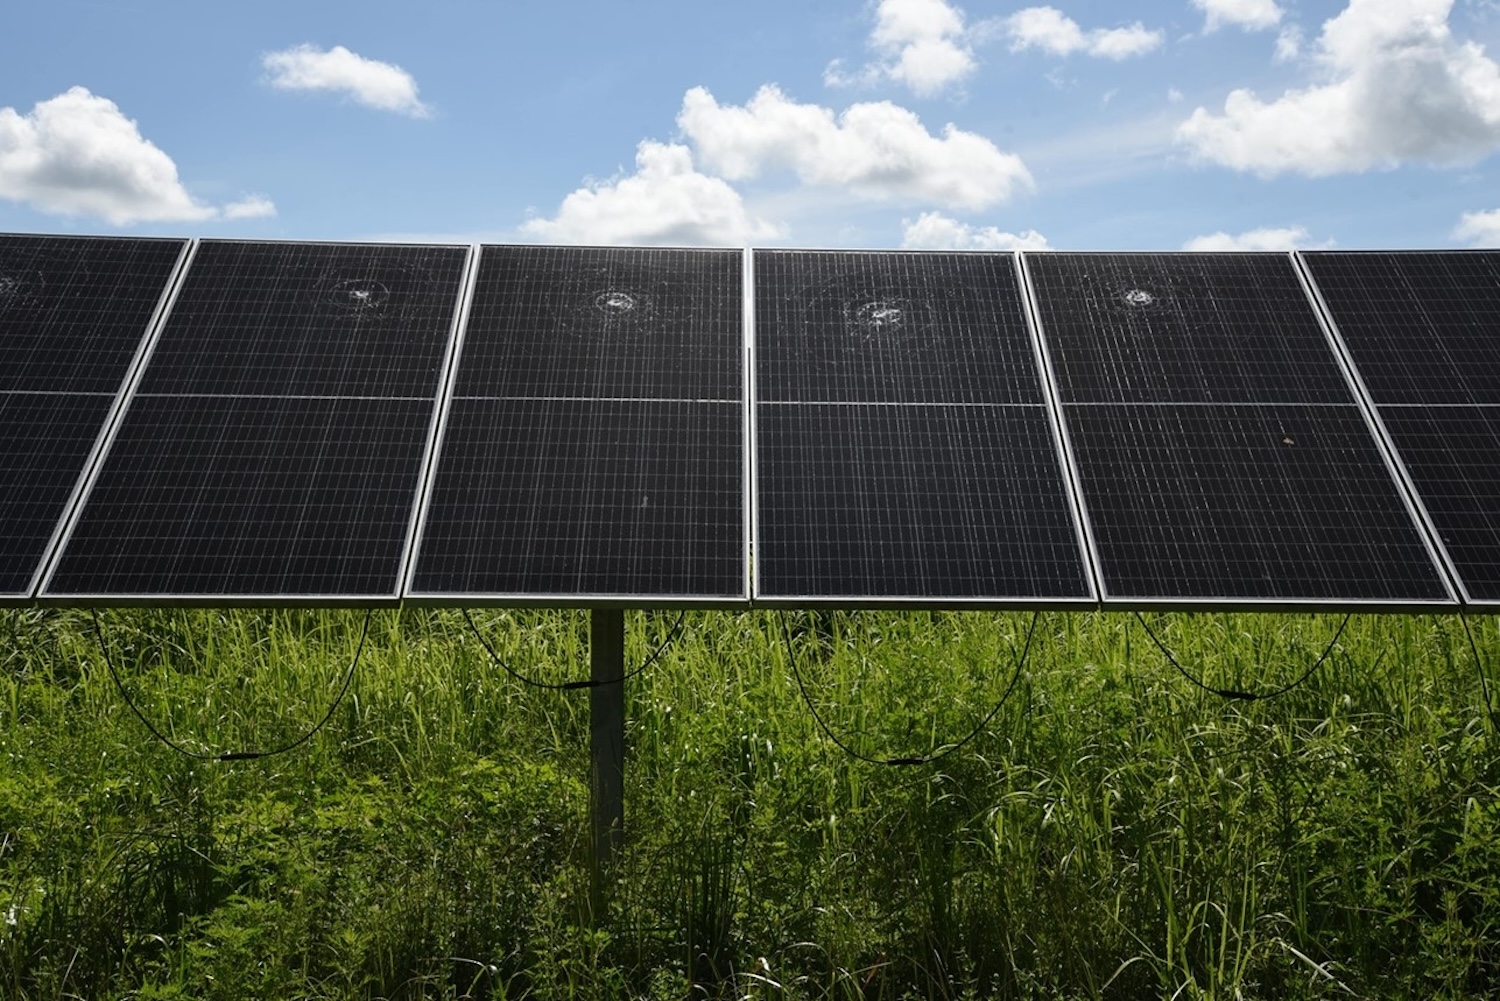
[1423, 330]
[1221, 454]
[904, 446]
[274, 445]
[73, 314]
[594, 446]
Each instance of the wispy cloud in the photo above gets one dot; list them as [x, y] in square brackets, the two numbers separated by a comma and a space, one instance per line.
[1054, 32]
[1251, 15]
[1482, 229]
[935, 231]
[383, 86]
[1265, 238]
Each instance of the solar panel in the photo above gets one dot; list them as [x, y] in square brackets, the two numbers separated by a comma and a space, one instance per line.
[1221, 454]
[594, 445]
[904, 444]
[273, 447]
[1423, 330]
[73, 314]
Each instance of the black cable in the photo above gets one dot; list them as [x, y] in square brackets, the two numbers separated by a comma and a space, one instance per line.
[925, 759]
[231, 755]
[1230, 693]
[570, 686]
[1484, 681]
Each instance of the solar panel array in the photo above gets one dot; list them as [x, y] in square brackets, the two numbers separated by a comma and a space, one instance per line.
[253, 423]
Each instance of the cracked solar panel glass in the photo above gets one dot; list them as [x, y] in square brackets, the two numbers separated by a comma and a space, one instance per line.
[73, 313]
[904, 445]
[1220, 452]
[594, 444]
[274, 445]
[1423, 330]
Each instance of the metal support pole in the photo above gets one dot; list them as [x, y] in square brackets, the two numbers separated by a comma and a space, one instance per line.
[606, 745]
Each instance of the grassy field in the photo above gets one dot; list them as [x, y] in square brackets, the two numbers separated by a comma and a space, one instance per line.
[1113, 832]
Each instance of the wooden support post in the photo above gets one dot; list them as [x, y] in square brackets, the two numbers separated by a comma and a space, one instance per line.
[606, 747]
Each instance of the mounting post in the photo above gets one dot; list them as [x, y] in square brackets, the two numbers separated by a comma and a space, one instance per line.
[606, 747]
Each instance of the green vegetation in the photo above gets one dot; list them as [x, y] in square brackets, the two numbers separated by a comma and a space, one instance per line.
[1114, 832]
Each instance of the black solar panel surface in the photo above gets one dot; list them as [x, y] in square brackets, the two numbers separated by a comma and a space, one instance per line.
[904, 447]
[275, 443]
[1423, 329]
[73, 314]
[1220, 452]
[594, 446]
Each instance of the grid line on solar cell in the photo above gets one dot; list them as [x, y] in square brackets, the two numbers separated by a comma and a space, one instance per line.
[594, 442]
[891, 327]
[1219, 449]
[904, 446]
[1290, 502]
[226, 496]
[308, 319]
[1177, 328]
[914, 501]
[74, 310]
[275, 442]
[73, 314]
[1453, 455]
[586, 497]
[1421, 329]
[1420, 326]
[592, 323]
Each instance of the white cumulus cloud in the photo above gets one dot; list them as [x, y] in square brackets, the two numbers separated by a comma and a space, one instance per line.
[875, 150]
[1397, 87]
[1050, 30]
[77, 154]
[935, 231]
[383, 86]
[1265, 238]
[1252, 15]
[1479, 228]
[922, 44]
[665, 202]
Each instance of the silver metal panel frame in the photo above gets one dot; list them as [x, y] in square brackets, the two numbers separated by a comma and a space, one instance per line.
[437, 433]
[1394, 462]
[456, 599]
[85, 475]
[1064, 445]
[931, 602]
[748, 493]
[1114, 602]
[127, 396]
[487, 599]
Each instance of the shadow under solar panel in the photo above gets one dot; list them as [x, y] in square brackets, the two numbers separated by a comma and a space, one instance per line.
[1221, 454]
[74, 312]
[274, 446]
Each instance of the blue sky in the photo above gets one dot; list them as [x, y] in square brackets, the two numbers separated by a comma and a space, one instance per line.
[890, 123]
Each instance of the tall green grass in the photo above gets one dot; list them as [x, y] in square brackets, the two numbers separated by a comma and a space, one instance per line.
[1113, 832]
